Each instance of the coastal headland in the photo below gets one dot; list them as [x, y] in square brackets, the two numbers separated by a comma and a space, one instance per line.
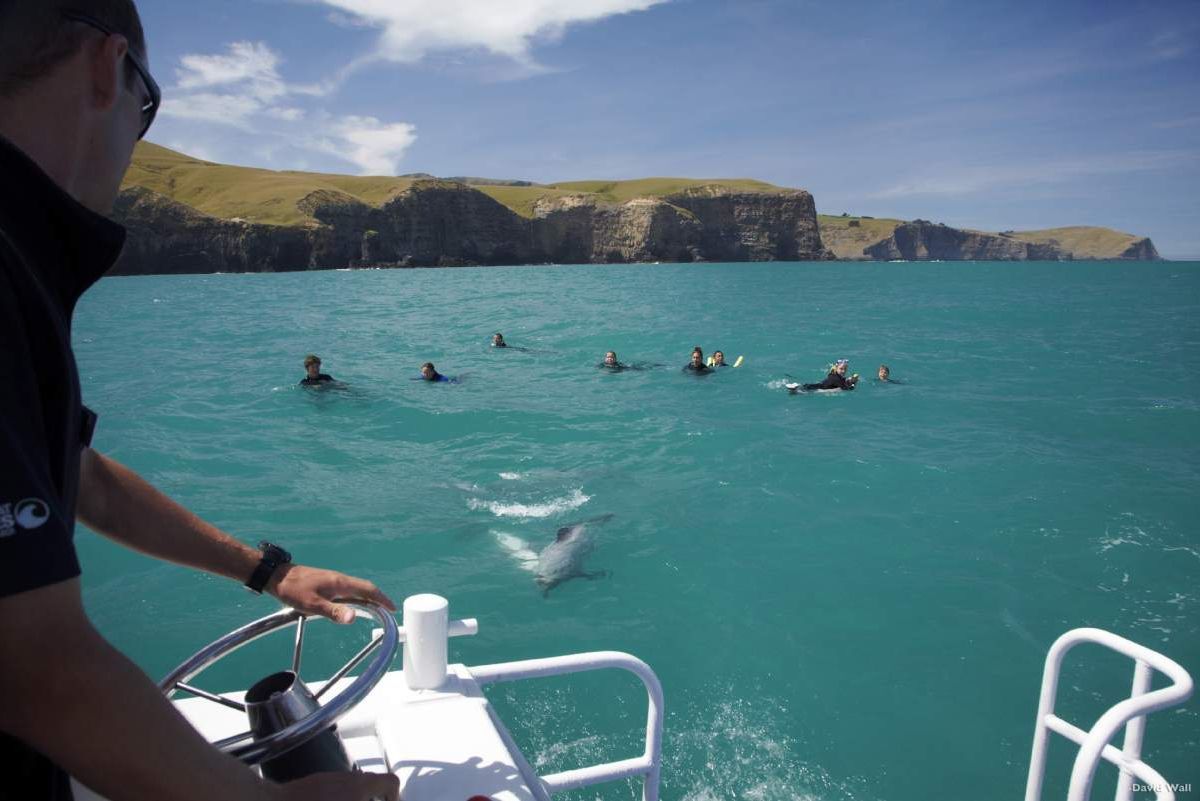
[186, 215]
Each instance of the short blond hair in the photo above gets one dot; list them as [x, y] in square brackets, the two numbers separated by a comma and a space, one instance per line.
[312, 358]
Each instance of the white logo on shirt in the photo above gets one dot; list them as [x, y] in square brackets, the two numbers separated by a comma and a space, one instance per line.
[29, 514]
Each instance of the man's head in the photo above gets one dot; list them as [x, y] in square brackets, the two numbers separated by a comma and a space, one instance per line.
[428, 372]
[840, 366]
[884, 372]
[610, 357]
[497, 339]
[718, 357]
[697, 358]
[312, 365]
[75, 90]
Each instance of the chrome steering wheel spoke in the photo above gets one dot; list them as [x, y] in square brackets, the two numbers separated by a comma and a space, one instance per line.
[254, 752]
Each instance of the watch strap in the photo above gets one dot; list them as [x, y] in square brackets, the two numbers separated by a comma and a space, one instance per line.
[272, 557]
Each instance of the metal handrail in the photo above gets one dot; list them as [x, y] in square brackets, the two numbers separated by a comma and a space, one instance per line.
[1094, 744]
[647, 765]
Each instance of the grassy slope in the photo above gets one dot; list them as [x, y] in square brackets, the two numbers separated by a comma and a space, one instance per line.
[1086, 242]
[267, 196]
[847, 242]
[622, 191]
[264, 196]
[520, 198]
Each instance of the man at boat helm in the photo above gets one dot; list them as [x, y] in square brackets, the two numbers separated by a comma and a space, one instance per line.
[75, 95]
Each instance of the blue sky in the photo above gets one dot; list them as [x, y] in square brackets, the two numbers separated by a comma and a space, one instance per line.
[986, 115]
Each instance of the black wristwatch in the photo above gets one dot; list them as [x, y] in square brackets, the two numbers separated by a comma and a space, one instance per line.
[272, 557]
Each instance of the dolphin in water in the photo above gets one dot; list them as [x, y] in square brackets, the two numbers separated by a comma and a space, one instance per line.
[562, 559]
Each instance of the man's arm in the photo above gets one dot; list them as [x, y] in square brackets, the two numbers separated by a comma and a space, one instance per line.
[75, 698]
[118, 503]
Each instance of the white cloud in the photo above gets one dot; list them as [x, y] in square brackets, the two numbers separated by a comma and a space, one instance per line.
[224, 109]
[243, 87]
[289, 114]
[985, 178]
[196, 151]
[376, 148]
[251, 67]
[411, 29]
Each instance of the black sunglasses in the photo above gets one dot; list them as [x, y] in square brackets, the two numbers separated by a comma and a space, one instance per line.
[150, 108]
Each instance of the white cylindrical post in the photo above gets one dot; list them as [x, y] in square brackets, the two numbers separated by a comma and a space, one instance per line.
[426, 620]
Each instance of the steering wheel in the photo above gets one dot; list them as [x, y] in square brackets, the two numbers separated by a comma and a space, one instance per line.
[254, 752]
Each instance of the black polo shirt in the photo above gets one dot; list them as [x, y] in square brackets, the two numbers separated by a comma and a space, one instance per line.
[51, 250]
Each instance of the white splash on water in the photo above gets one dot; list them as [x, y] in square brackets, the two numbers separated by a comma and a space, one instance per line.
[532, 510]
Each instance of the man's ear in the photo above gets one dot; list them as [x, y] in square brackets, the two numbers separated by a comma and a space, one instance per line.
[107, 61]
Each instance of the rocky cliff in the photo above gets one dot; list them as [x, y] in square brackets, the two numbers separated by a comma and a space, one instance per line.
[1141, 250]
[189, 215]
[438, 222]
[871, 238]
[921, 240]
[169, 237]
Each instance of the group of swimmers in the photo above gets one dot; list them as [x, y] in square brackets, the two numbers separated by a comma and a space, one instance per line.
[314, 377]
[836, 379]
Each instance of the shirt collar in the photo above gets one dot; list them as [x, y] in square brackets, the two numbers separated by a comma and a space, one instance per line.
[66, 244]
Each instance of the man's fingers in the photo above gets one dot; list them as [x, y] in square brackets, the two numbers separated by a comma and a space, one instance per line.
[335, 612]
[361, 589]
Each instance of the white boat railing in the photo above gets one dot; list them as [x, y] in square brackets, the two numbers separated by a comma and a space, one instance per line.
[1131, 713]
[424, 633]
[648, 765]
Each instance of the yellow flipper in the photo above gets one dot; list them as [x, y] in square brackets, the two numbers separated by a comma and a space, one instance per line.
[738, 363]
[711, 362]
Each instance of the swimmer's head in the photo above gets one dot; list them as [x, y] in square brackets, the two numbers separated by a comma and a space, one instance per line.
[312, 365]
[697, 358]
[884, 372]
[610, 357]
[497, 338]
[840, 366]
[428, 372]
[718, 357]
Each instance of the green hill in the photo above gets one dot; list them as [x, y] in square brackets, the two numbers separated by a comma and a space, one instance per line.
[1085, 241]
[847, 236]
[272, 197]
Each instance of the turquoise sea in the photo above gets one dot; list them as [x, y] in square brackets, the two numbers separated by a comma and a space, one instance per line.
[846, 596]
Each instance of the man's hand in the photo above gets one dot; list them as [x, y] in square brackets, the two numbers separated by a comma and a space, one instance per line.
[343, 787]
[315, 591]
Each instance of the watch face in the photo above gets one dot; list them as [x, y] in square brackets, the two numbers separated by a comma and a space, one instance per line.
[274, 553]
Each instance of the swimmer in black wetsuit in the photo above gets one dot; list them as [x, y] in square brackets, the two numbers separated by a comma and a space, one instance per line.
[430, 373]
[498, 340]
[312, 366]
[610, 362]
[837, 378]
[697, 365]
